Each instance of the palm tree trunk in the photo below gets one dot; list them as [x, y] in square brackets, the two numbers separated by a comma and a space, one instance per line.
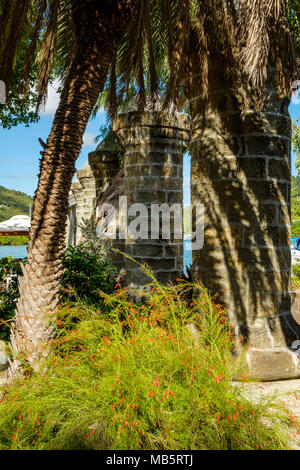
[98, 28]
[40, 283]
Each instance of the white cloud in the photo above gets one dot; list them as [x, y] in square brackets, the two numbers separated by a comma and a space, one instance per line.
[88, 140]
[52, 100]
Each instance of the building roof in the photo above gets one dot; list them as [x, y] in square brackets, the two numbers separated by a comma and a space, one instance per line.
[19, 224]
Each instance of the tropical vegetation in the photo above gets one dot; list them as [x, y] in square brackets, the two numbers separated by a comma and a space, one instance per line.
[146, 49]
[85, 275]
[10, 269]
[13, 203]
[157, 375]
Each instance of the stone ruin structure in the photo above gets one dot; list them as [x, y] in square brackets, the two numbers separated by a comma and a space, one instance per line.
[240, 171]
[152, 174]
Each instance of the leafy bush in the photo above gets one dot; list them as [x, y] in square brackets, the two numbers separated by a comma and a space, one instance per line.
[295, 282]
[295, 279]
[13, 241]
[156, 375]
[296, 229]
[86, 273]
[8, 294]
[296, 269]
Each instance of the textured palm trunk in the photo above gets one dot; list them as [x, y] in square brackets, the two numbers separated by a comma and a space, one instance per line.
[98, 28]
[40, 283]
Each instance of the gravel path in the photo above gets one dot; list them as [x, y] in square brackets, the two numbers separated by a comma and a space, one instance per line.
[287, 393]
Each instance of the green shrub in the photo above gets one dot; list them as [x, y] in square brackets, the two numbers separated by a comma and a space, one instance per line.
[13, 241]
[295, 279]
[138, 377]
[8, 297]
[295, 282]
[295, 228]
[296, 269]
[86, 273]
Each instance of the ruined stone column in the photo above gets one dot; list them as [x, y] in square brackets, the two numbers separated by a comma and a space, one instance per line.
[71, 230]
[92, 182]
[241, 173]
[154, 148]
[105, 166]
[84, 190]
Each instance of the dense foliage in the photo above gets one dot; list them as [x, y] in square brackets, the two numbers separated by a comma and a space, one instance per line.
[296, 140]
[295, 200]
[5, 241]
[156, 375]
[295, 278]
[20, 107]
[9, 293]
[86, 274]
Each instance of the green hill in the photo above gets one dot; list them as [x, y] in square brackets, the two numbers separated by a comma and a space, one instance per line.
[16, 202]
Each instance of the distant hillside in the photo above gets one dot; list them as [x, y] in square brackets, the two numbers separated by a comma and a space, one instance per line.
[17, 203]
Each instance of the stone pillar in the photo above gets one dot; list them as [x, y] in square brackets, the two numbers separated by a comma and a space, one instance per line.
[84, 190]
[241, 173]
[105, 166]
[72, 221]
[154, 148]
[109, 183]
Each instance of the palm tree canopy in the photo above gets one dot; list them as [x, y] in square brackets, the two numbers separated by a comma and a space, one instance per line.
[168, 40]
[163, 41]
[293, 15]
[51, 32]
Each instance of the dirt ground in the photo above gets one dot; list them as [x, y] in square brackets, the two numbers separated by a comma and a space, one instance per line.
[287, 392]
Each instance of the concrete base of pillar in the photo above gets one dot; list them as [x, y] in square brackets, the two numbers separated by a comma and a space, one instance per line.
[274, 345]
[268, 365]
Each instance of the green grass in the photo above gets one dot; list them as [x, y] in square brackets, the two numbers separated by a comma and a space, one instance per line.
[137, 378]
[5, 241]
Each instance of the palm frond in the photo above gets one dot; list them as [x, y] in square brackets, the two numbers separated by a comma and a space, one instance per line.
[180, 48]
[40, 8]
[268, 41]
[47, 51]
[65, 43]
[12, 22]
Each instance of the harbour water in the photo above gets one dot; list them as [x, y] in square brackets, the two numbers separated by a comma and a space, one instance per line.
[21, 251]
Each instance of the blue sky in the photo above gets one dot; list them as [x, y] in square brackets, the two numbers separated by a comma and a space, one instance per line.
[19, 149]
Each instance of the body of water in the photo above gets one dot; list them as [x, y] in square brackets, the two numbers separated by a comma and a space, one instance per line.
[295, 241]
[187, 253]
[14, 251]
[21, 251]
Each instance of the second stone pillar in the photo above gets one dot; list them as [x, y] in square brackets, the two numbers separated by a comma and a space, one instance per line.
[154, 147]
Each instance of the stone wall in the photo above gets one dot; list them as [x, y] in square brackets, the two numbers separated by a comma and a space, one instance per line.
[100, 181]
[111, 196]
[84, 192]
[92, 181]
